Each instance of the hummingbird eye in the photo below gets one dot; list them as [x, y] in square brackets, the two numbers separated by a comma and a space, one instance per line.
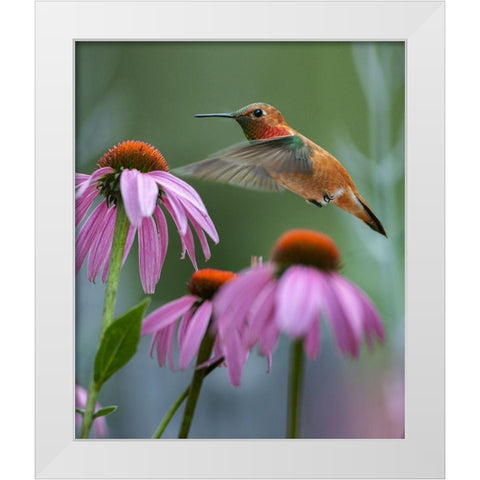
[258, 113]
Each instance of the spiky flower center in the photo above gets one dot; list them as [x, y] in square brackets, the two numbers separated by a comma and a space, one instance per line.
[205, 283]
[131, 154]
[134, 154]
[306, 247]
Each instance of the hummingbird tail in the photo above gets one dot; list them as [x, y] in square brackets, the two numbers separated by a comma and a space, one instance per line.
[352, 202]
[370, 218]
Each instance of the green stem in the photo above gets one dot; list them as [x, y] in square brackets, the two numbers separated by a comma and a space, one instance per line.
[196, 385]
[297, 361]
[171, 412]
[115, 264]
[118, 246]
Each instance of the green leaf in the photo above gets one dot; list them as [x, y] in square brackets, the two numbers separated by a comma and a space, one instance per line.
[80, 411]
[105, 411]
[119, 343]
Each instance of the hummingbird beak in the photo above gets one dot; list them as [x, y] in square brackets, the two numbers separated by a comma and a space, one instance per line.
[226, 115]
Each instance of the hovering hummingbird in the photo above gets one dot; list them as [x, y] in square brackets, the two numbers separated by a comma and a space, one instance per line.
[277, 157]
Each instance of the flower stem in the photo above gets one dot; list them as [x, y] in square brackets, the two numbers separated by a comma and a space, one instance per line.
[169, 415]
[297, 361]
[197, 380]
[118, 245]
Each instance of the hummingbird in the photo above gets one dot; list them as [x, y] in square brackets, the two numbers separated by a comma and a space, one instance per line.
[277, 157]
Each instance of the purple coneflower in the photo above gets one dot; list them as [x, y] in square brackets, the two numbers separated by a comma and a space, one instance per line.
[193, 313]
[194, 337]
[291, 294]
[134, 175]
[100, 428]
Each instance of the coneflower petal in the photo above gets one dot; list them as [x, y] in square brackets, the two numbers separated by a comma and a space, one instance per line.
[167, 314]
[175, 209]
[149, 255]
[162, 232]
[297, 300]
[100, 250]
[139, 194]
[194, 334]
[176, 187]
[88, 233]
[84, 202]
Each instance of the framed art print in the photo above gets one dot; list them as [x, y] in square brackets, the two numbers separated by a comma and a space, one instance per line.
[248, 262]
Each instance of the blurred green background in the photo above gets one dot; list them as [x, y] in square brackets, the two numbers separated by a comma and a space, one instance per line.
[347, 97]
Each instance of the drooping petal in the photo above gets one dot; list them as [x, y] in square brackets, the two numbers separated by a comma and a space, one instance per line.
[343, 331]
[261, 313]
[183, 325]
[350, 304]
[370, 319]
[164, 340]
[99, 173]
[239, 293]
[82, 181]
[177, 187]
[268, 339]
[311, 344]
[203, 239]
[139, 194]
[194, 334]
[84, 202]
[175, 209]
[162, 228]
[149, 255]
[201, 217]
[167, 314]
[190, 247]
[100, 250]
[235, 355]
[88, 233]
[128, 242]
[297, 300]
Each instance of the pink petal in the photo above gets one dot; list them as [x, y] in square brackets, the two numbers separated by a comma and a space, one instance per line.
[371, 324]
[139, 194]
[297, 300]
[202, 238]
[100, 250]
[260, 314]
[183, 325]
[149, 255]
[194, 334]
[344, 333]
[88, 233]
[242, 291]
[177, 212]
[84, 202]
[162, 228]
[99, 173]
[167, 314]
[190, 247]
[201, 217]
[268, 339]
[177, 187]
[235, 357]
[164, 340]
[82, 181]
[311, 343]
[128, 242]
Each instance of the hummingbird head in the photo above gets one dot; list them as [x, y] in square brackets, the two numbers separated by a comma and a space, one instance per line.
[258, 121]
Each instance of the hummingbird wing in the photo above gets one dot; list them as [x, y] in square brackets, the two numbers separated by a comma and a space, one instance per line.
[249, 164]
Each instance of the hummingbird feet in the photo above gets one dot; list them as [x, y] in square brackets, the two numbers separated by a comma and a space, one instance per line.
[321, 203]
